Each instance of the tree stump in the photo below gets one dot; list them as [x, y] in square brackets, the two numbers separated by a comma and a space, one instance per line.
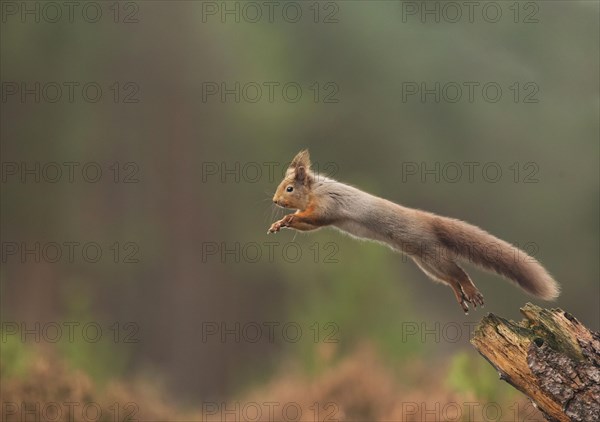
[550, 357]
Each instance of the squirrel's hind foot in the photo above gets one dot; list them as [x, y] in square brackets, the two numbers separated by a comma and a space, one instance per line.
[472, 296]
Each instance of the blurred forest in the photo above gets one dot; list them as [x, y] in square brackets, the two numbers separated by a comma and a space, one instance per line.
[191, 155]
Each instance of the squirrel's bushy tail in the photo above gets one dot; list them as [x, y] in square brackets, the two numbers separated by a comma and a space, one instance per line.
[475, 245]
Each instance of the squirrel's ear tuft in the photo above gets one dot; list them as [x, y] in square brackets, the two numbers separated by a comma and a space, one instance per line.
[302, 159]
[301, 174]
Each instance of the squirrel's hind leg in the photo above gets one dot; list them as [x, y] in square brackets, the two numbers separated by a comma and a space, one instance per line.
[449, 272]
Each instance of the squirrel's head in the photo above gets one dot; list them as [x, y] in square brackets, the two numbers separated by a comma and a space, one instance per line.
[294, 189]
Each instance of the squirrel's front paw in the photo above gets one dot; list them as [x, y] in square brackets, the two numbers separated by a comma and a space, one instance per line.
[284, 222]
[275, 227]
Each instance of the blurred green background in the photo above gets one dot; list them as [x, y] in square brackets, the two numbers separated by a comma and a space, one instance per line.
[367, 52]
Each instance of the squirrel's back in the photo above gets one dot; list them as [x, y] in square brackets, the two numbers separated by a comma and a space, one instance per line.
[370, 217]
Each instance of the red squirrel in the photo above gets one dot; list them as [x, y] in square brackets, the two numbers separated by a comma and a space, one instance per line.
[434, 242]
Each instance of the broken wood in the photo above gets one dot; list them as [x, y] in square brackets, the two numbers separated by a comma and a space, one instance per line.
[550, 357]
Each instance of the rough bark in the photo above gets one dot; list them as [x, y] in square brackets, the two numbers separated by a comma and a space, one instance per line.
[549, 356]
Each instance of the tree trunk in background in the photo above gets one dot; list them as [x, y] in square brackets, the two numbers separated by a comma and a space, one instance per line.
[550, 356]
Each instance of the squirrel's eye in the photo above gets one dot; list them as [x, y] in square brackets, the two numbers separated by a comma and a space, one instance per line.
[289, 189]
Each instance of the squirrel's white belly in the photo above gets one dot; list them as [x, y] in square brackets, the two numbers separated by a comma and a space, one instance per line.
[359, 230]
